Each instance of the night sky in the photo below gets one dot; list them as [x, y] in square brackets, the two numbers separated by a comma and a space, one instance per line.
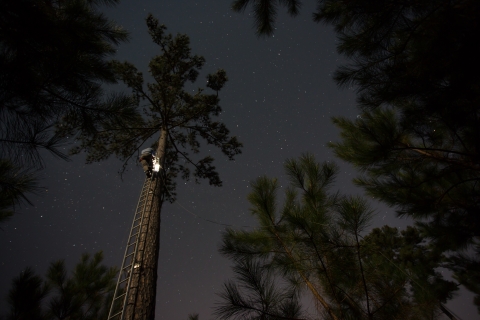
[279, 101]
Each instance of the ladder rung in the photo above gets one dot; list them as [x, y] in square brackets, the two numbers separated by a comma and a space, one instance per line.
[119, 296]
[117, 314]
[133, 235]
[137, 223]
[127, 256]
[129, 244]
[134, 227]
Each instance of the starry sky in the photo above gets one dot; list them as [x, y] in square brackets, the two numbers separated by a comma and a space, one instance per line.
[279, 101]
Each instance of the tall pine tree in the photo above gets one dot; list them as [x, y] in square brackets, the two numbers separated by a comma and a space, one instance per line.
[176, 118]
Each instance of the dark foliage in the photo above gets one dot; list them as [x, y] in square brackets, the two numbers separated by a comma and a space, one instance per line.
[265, 12]
[26, 296]
[314, 245]
[416, 140]
[254, 294]
[14, 184]
[86, 294]
[53, 60]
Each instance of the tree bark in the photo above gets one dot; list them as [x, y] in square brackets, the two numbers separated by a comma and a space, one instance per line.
[142, 294]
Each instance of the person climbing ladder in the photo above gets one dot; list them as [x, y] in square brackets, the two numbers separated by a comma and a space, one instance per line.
[146, 159]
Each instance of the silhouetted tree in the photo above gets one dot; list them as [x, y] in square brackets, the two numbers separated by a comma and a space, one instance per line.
[417, 137]
[177, 118]
[53, 60]
[314, 242]
[26, 296]
[86, 294]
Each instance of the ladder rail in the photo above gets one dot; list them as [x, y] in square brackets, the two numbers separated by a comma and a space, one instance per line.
[143, 198]
[137, 263]
[127, 254]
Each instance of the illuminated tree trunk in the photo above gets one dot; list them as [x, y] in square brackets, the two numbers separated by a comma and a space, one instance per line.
[141, 300]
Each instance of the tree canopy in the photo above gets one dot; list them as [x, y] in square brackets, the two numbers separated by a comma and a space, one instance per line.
[169, 107]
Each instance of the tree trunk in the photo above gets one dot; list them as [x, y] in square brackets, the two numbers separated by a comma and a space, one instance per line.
[143, 288]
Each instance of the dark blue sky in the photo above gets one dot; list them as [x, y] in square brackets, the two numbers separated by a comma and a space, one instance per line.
[279, 102]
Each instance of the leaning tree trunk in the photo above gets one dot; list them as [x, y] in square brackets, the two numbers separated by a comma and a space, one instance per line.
[141, 300]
